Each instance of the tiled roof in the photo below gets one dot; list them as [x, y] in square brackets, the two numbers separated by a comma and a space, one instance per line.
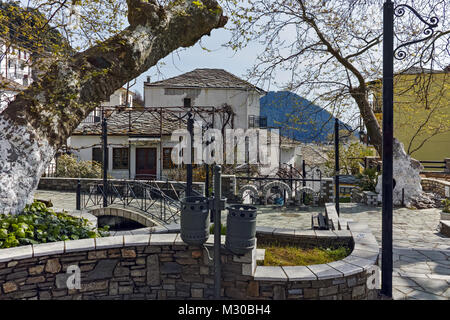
[205, 78]
[142, 123]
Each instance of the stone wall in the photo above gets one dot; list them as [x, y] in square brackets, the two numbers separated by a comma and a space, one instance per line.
[70, 184]
[327, 189]
[436, 186]
[436, 175]
[162, 266]
[444, 226]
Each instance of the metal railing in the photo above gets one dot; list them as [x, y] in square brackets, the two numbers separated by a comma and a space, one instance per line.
[50, 171]
[149, 199]
[433, 164]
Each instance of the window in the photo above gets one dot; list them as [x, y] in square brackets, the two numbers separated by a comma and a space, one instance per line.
[257, 122]
[120, 158]
[251, 121]
[97, 155]
[167, 159]
[263, 122]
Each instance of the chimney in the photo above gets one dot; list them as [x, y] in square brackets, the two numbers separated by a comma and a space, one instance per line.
[148, 79]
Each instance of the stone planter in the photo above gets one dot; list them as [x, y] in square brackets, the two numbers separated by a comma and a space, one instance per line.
[445, 215]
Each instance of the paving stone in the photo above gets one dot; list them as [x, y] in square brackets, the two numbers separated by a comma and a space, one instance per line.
[80, 245]
[46, 249]
[430, 285]
[421, 295]
[109, 242]
[433, 255]
[16, 253]
[299, 273]
[403, 282]
[270, 274]
[345, 268]
[162, 239]
[324, 271]
[360, 262]
[284, 232]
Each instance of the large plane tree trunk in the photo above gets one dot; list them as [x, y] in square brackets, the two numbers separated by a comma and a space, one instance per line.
[406, 170]
[41, 118]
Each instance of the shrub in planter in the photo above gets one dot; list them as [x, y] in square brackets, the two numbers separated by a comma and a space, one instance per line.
[39, 224]
[368, 179]
[445, 214]
[69, 167]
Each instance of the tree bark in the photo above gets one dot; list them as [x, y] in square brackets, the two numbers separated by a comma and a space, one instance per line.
[42, 118]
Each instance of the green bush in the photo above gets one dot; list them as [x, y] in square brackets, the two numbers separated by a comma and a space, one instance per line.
[39, 224]
[69, 167]
[345, 199]
[368, 179]
[349, 158]
[446, 204]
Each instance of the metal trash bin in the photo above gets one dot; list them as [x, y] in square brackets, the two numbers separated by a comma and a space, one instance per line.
[194, 221]
[241, 229]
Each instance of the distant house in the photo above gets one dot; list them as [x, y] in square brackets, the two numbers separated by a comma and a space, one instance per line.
[140, 144]
[136, 152]
[209, 88]
[15, 71]
[121, 97]
[416, 107]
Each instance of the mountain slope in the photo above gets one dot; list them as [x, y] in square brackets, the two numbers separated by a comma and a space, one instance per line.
[297, 117]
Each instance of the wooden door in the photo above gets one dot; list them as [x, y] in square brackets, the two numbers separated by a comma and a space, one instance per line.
[146, 163]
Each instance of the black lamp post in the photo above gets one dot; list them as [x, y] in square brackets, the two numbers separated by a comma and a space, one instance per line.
[105, 160]
[190, 127]
[388, 127]
[336, 165]
[388, 130]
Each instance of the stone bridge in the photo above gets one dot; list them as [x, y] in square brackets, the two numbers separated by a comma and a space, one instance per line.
[124, 213]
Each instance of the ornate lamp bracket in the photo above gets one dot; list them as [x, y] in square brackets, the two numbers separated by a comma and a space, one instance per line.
[399, 11]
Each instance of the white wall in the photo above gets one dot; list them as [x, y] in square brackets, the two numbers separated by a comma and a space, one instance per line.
[243, 102]
[116, 99]
[15, 64]
[117, 142]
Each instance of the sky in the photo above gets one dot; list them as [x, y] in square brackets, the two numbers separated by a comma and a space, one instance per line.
[218, 57]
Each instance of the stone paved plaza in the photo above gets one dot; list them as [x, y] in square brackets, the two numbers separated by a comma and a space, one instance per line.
[421, 254]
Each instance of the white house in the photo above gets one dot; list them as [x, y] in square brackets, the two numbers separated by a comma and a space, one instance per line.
[209, 88]
[120, 97]
[15, 71]
[139, 140]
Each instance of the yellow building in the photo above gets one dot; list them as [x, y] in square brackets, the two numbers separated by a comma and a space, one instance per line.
[421, 111]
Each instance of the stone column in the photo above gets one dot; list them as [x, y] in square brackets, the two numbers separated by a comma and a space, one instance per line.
[447, 165]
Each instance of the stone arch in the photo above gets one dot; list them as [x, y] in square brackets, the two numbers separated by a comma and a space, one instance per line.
[127, 214]
[308, 190]
[248, 187]
[281, 185]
